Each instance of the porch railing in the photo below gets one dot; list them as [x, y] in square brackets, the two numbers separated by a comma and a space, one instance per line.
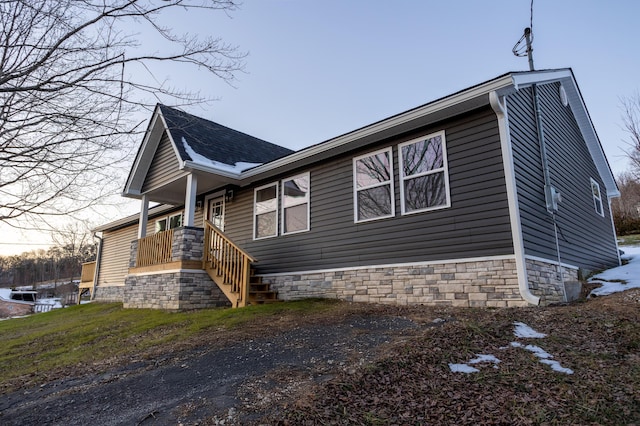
[154, 249]
[230, 262]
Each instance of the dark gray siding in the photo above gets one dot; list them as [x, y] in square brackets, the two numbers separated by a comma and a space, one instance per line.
[477, 223]
[164, 167]
[586, 239]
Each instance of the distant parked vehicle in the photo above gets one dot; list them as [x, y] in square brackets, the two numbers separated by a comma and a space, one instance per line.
[24, 295]
[21, 302]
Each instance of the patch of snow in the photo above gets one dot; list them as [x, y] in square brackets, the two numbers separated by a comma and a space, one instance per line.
[524, 331]
[538, 351]
[462, 368]
[5, 293]
[544, 357]
[236, 168]
[466, 368]
[621, 278]
[54, 302]
[484, 358]
[555, 366]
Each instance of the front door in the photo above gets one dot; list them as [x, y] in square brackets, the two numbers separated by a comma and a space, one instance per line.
[215, 212]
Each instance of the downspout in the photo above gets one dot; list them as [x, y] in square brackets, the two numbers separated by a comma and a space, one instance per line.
[551, 196]
[500, 108]
[613, 226]
[97, 269]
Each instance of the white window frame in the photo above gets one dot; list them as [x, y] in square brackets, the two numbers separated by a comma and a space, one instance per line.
[255, 213]
[390, 182]
[444, 168]
[597, 198]
[306, 201]
[168, 222]
[207, 199]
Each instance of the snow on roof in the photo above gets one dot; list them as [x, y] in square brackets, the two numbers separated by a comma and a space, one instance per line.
[207, 162]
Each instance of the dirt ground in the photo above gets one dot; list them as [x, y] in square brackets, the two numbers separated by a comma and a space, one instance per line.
[366, 364]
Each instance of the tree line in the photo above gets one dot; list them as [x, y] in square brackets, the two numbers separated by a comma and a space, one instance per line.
[626, 208]
[61, 263]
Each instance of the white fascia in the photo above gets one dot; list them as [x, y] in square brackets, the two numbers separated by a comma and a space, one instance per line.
[145, 155]
[580, 112]
[527, 78]
[499, 105]
[192, 165]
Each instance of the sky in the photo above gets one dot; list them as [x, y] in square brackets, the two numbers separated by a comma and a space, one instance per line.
[317, 69]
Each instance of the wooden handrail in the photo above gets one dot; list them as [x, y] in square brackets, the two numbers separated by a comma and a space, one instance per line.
[230, 262]
[154, 249]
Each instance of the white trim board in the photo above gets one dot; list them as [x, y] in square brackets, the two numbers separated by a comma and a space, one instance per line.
[393, 265]
[551, 262]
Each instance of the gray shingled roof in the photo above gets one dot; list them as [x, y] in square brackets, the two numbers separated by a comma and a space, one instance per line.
[217, 142]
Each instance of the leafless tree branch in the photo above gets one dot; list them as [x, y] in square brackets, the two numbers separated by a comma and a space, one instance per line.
[69, 92]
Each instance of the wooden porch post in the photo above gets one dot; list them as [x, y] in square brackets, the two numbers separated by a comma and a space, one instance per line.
[190, 199]
[144, 215]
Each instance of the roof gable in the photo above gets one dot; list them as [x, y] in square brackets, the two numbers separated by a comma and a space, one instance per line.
[216, 142]
[200, 144]
[203, 145]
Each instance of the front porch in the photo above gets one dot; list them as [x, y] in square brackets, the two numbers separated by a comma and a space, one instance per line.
[191, 268]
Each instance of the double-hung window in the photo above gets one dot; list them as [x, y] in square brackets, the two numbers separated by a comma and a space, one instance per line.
[424, 180]
[169, 222]
[295, 204]
[265, 211]
[373, 186]
[597, 197]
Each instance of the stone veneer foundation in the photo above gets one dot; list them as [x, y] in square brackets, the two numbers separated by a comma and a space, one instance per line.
[468, 283]
[108, 294]
[545, 281]
[474, 283]
[173, 289]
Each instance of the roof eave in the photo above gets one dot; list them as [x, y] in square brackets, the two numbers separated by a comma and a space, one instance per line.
[580, 112]
[324, 148]
[191, 165]
[143, 158]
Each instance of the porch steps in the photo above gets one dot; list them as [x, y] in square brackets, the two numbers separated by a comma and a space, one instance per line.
[259, 292]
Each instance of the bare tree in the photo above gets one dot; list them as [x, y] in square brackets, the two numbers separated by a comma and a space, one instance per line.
[631, 124]
[70, 85]
[626, 208]
[74, 241]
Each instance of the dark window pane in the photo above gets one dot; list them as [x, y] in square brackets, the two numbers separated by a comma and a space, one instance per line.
[266, 194]
[422, 156]
[373, 169]
[424, 192]
[295, 218]
[266, 224]
[374, 202]
[295, 191]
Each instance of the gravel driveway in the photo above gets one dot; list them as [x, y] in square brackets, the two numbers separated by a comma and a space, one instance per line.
[233, 384]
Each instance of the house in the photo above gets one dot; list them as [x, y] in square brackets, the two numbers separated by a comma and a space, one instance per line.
[497, 195]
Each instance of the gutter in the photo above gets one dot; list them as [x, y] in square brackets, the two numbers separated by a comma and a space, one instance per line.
[500, 107]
